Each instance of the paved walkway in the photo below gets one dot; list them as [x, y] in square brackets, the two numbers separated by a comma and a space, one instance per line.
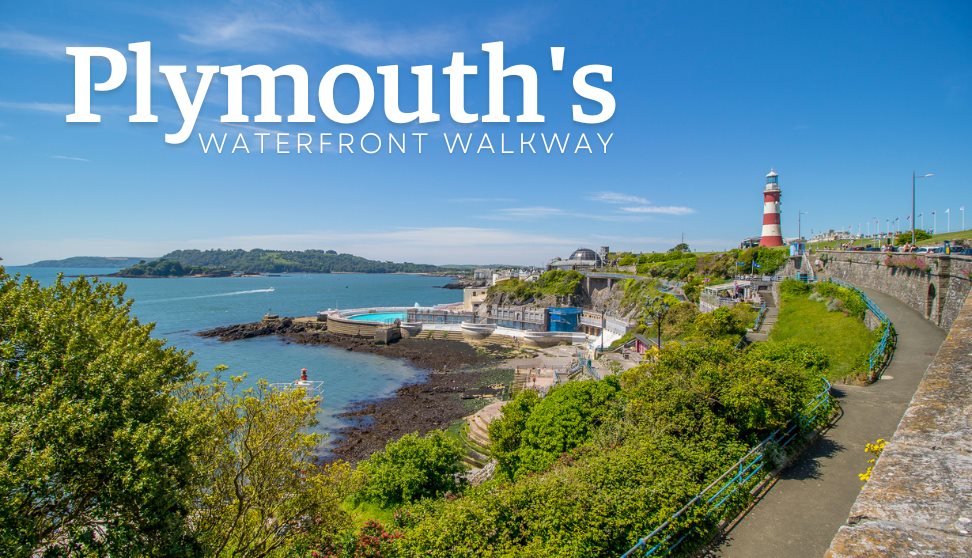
[802, 512]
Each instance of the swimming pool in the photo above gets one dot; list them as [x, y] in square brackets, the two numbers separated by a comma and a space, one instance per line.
[381, 317]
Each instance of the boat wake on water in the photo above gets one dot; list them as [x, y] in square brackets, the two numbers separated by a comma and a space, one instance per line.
[234, 293]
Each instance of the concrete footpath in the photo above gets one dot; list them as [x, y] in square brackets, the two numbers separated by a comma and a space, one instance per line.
[802, 511]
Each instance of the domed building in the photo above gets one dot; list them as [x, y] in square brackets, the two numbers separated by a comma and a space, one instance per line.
[583, 259]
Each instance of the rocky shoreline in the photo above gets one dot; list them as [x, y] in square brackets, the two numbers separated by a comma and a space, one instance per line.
[457, 376]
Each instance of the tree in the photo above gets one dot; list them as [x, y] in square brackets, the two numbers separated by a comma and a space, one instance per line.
[505, 433]
[411, 468]
[681, 247]
[113, 444]
[905, 237]
[96, 441]
[262, 490]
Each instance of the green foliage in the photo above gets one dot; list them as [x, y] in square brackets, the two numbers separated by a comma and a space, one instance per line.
[680, 247]
[88, 261]
[115, 445]
[793, 287]
[680, 320]
[411, 468]
[280, 261]
[850, 302]
[679, 264]
[263, 491]
[693, 288]
[627, 258]
[557, 283]
[843, 337]
[561, 421]
[505, 433]
[720, 323]
[370, 541]
[167, 268]
[905, 237]
[93, 433]
[671, 428]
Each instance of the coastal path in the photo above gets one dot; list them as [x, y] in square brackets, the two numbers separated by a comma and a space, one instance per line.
[800, 514]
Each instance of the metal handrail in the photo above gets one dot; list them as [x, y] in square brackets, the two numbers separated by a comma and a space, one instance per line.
[759, 316]
[876, 357]
[735, 477]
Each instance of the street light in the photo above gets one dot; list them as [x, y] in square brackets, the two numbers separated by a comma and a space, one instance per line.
[657, 308]
[934, 223]
[921, 216]
[948, 220]
[914, 179]
[799, 229]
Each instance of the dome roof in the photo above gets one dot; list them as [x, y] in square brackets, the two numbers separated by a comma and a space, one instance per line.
[584, 254]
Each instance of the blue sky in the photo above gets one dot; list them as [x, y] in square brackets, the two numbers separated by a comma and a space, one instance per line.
[843, 99]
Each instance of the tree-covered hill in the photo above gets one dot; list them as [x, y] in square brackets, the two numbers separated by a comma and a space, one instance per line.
[169, 268]
[281, 261]
[88, 261]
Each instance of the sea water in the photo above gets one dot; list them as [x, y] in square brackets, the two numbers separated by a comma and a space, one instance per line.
[180, 307]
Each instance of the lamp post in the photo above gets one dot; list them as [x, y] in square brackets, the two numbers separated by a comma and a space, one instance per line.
[800, 214]
[948, 220]
[921, 217]
[934, 223]
[657, 309]
[914, 179]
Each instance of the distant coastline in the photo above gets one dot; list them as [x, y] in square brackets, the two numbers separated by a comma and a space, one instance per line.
[90, 261]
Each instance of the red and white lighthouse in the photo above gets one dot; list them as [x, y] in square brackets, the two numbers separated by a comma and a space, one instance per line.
[772, 236]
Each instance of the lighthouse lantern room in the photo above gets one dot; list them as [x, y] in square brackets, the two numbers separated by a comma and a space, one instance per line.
[772, 236]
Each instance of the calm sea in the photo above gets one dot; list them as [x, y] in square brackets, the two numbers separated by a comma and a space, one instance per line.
[180, 307]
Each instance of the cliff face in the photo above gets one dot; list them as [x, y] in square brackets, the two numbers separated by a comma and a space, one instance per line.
[611, 302]
[546, 301]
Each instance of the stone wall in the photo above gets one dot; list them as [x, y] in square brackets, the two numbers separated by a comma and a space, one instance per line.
[919, 499]
[937, 291]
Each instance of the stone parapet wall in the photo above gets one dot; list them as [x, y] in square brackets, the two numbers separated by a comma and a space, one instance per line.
[918, 501]
[937, 291]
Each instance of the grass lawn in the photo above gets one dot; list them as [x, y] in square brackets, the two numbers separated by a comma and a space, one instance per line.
[935, 240]
[846, 340]
[938, 238]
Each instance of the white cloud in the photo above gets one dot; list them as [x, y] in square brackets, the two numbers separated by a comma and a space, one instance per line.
[257, 27]
[617, 198]
[36, 45]
[528, 212]
[660, 209]
[70, 158]
[61, 108]
[481, 200]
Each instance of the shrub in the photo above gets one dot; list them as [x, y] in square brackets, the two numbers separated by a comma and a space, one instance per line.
[411, 468]
[793, 287]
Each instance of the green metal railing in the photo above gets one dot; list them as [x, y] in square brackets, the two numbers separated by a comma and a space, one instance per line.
[716, 499]
[879, 354]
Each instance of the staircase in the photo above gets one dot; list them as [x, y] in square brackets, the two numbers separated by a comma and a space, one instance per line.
[769, 318]
[439, 334]
[475, 435]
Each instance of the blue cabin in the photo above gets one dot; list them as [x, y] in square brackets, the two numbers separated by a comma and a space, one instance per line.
[563, 319]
